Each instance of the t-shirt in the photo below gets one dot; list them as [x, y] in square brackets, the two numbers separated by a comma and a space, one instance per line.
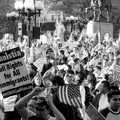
[103, 102]
[109, 115]
[29, 115]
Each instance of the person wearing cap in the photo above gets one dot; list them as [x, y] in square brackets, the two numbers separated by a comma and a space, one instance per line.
[113, 111]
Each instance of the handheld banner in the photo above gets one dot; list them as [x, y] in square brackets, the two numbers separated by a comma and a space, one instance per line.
[9, 103]
[93, 113]
[13, 73]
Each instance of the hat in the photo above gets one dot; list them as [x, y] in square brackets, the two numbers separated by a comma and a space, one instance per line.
[49, 50]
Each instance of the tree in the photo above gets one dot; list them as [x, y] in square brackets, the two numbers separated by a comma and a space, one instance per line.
[74, 7]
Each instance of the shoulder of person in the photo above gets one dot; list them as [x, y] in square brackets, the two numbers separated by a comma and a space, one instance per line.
[105, 112]
[26, 113]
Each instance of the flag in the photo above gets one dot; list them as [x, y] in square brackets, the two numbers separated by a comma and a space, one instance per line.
[37, 79]
[39, 63]
[116, 72]
[70, 95]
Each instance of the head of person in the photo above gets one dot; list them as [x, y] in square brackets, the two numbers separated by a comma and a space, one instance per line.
[48, 78]
[114, 100]
[76, 60]
[76, 68]
[90, 68]
[69, 76]
[104, 87]
[58, 81]
[61, 73]
[97, 68]
[39, 106]
[91, 79]
[111, 55]
[47, 58]
[62, 52]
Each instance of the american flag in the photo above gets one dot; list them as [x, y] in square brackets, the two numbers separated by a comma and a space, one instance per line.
[70, 95]
[37, 79]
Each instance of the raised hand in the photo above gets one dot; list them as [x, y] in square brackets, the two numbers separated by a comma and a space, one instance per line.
[37, 90]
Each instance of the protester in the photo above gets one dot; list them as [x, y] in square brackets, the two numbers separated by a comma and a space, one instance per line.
[112, 112]
[37, 107]
[53, 62]
[101, 100]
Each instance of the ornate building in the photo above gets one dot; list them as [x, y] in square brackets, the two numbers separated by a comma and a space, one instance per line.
[5, 25]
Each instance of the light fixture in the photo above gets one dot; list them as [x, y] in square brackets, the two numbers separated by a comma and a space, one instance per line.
[29, 5]
[29, 9]
[39, 5]
[19, 5]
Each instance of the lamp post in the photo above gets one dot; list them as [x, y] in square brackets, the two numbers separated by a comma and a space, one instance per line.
[12, 17]
[29, 9]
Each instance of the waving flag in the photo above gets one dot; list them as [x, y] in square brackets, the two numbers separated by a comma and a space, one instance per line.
[37, 79]
[39, 63]
[70, 95]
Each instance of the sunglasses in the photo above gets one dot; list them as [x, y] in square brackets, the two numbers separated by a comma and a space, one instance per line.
[116, 99]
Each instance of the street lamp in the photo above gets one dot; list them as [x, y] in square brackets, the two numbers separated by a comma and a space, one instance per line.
[29, 9]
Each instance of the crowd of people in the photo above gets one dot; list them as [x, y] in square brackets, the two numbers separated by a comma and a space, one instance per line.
[79, 60]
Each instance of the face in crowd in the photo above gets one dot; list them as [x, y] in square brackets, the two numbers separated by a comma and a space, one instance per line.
[114, 100]
[69, 77]
[39, 106]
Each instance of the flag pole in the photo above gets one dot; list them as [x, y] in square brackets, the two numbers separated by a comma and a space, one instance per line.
[99, 28]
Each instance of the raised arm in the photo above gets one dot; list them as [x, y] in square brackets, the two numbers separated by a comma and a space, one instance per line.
[23, 101]
[58, 114]
[20, 106]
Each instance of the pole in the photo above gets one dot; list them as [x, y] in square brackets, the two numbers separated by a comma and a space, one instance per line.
[29, 28]
[100, 37]
[39, 20]
[35, 12]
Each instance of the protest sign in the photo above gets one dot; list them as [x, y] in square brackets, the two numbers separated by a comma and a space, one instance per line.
[93, 113]
[13, 73]
[9, 103]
